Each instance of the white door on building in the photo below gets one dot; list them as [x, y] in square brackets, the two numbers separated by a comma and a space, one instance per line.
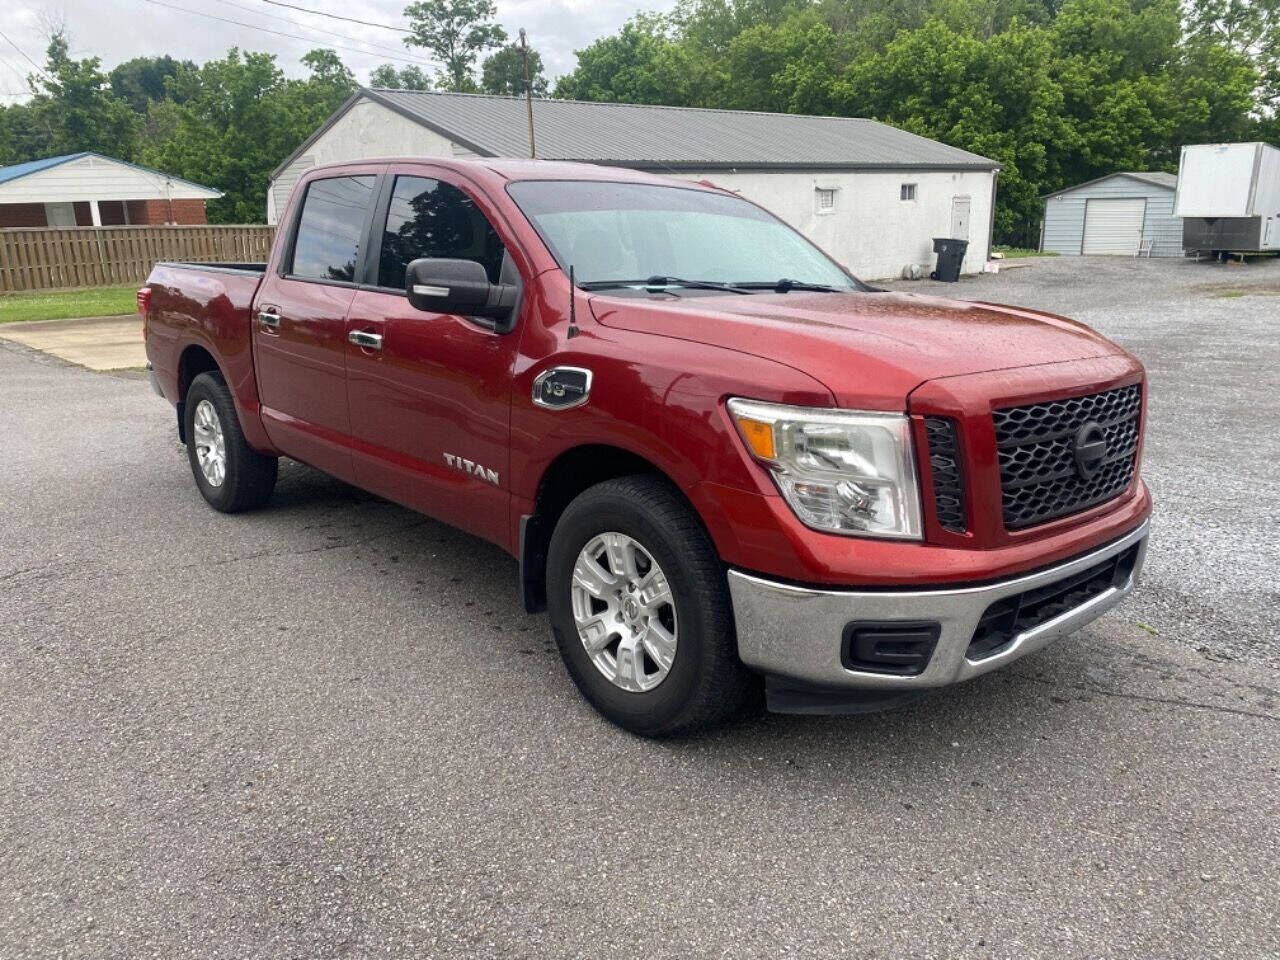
[60, 214]
[1113, 225]
[959, 218]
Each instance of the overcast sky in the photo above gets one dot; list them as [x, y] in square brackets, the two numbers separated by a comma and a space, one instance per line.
[118, 30]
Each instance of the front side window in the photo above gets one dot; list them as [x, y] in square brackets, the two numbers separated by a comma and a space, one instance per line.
[428, 218]
[327, 246]
[632, 232]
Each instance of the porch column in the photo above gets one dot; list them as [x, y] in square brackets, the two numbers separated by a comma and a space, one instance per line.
[94, 213]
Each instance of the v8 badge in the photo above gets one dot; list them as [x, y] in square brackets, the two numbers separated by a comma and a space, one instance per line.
[562, 388]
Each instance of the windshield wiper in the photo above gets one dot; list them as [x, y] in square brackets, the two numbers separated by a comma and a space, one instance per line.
[660, 281]
[786, 285]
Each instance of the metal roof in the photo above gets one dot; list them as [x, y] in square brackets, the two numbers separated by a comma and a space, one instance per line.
[1156, 177]
[18, 170]
[664, 138]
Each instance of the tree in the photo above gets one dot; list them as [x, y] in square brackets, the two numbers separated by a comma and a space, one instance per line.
[388, 77]
[503, 73]
[141, 81]
[233, 120]
[456, 32]
[73, 109]
[643, 63]
[1251, 29]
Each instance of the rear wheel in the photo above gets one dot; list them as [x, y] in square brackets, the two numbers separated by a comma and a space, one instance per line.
[230, 474]
[640, 609]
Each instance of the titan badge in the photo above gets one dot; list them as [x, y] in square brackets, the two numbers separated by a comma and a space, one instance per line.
[471, 467]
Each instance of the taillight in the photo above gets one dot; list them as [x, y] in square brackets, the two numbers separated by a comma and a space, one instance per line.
[144, 307]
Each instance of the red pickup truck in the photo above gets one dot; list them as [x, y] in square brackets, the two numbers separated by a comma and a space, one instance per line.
[723, 463]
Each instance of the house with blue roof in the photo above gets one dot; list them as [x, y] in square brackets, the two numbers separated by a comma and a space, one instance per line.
[90, 190]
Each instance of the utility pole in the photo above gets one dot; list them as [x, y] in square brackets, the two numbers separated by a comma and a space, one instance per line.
[528, 92]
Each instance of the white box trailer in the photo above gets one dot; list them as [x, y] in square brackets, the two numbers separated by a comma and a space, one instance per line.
[1229, 197]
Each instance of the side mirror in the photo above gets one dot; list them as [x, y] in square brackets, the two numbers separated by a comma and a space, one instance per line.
[439, 285]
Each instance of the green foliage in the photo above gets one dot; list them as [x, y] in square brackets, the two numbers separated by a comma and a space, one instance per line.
[232, 121]
[388, 77]
[72, 109]
[456, 32]
[141, 81]
[1057, 91]
[642, 63]
[503, 73]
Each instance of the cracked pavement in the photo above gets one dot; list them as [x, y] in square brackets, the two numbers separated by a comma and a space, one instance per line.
[327, 730]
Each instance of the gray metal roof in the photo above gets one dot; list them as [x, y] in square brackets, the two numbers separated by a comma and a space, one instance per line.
[666, 138]
[1156, 177]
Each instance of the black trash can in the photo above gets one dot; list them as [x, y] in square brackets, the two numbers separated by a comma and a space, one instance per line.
[950, 256]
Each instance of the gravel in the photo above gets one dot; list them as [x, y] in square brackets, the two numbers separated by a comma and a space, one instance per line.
[326, 729]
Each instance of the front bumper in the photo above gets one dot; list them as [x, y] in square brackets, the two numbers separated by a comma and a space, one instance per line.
[799, 633]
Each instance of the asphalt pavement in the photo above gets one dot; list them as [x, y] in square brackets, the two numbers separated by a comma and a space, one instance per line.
[327, 729]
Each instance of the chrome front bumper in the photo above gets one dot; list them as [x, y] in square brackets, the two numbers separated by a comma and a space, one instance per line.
[797, 632]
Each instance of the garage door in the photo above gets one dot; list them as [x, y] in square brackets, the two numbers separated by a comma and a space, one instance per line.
[1113, 226]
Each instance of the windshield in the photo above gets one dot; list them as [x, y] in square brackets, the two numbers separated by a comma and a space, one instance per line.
[630, 232]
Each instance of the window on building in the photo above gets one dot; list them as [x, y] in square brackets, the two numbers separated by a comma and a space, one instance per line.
[428, 218]
[826, 199]
[908, 191]
[327, 246]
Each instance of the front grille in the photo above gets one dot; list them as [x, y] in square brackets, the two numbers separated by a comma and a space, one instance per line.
[1006, 619]
[948, 478]
[1039, 480]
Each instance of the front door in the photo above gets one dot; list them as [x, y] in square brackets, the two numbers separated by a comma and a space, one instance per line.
[431, 402]
[299, 331]
[959, 218]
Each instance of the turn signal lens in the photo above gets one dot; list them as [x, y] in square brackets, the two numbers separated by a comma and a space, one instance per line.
[759, 437]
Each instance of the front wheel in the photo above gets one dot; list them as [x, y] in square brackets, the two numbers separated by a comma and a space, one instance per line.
[231, 475]
[640, 610]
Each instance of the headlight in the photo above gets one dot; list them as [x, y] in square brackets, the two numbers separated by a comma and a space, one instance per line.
[841, 471]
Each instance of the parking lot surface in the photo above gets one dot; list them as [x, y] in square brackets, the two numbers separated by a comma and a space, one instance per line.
[327, 730]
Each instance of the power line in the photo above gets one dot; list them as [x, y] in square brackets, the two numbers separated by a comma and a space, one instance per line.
[307, 26]
[39, 70]
[278, 33]
[17, 73]
[334, 16]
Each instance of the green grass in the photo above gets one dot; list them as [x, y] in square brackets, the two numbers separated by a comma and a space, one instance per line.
[61, 304]
[1017, 253]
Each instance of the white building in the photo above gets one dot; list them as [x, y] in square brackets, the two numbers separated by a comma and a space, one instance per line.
[90, 190]
[871, 195]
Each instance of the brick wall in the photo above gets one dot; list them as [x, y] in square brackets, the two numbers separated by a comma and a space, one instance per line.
[157, 211]
[141, 212]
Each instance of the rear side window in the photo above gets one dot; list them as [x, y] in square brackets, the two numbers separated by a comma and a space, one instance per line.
[428, 218]
[327, 246]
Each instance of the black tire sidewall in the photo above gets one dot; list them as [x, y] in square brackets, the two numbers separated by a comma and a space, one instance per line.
[662, 707]
[203, 388]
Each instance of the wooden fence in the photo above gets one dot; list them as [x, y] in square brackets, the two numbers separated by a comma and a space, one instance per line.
[37, 258]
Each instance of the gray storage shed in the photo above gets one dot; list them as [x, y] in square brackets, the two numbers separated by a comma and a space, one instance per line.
[1122, 214]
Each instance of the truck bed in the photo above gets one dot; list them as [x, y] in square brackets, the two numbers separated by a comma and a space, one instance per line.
[206, 307]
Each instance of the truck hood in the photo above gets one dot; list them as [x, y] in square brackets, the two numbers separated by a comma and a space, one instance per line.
[869, 349]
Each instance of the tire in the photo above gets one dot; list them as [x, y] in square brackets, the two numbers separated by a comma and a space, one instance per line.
[704, 683]
[247, 477]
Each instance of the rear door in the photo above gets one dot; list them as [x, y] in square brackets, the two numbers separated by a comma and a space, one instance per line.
[1113, 225]
[431, 403]
[299, 330]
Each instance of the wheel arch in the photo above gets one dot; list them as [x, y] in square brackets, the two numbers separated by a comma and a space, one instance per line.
[569, 474]
[195, 360]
